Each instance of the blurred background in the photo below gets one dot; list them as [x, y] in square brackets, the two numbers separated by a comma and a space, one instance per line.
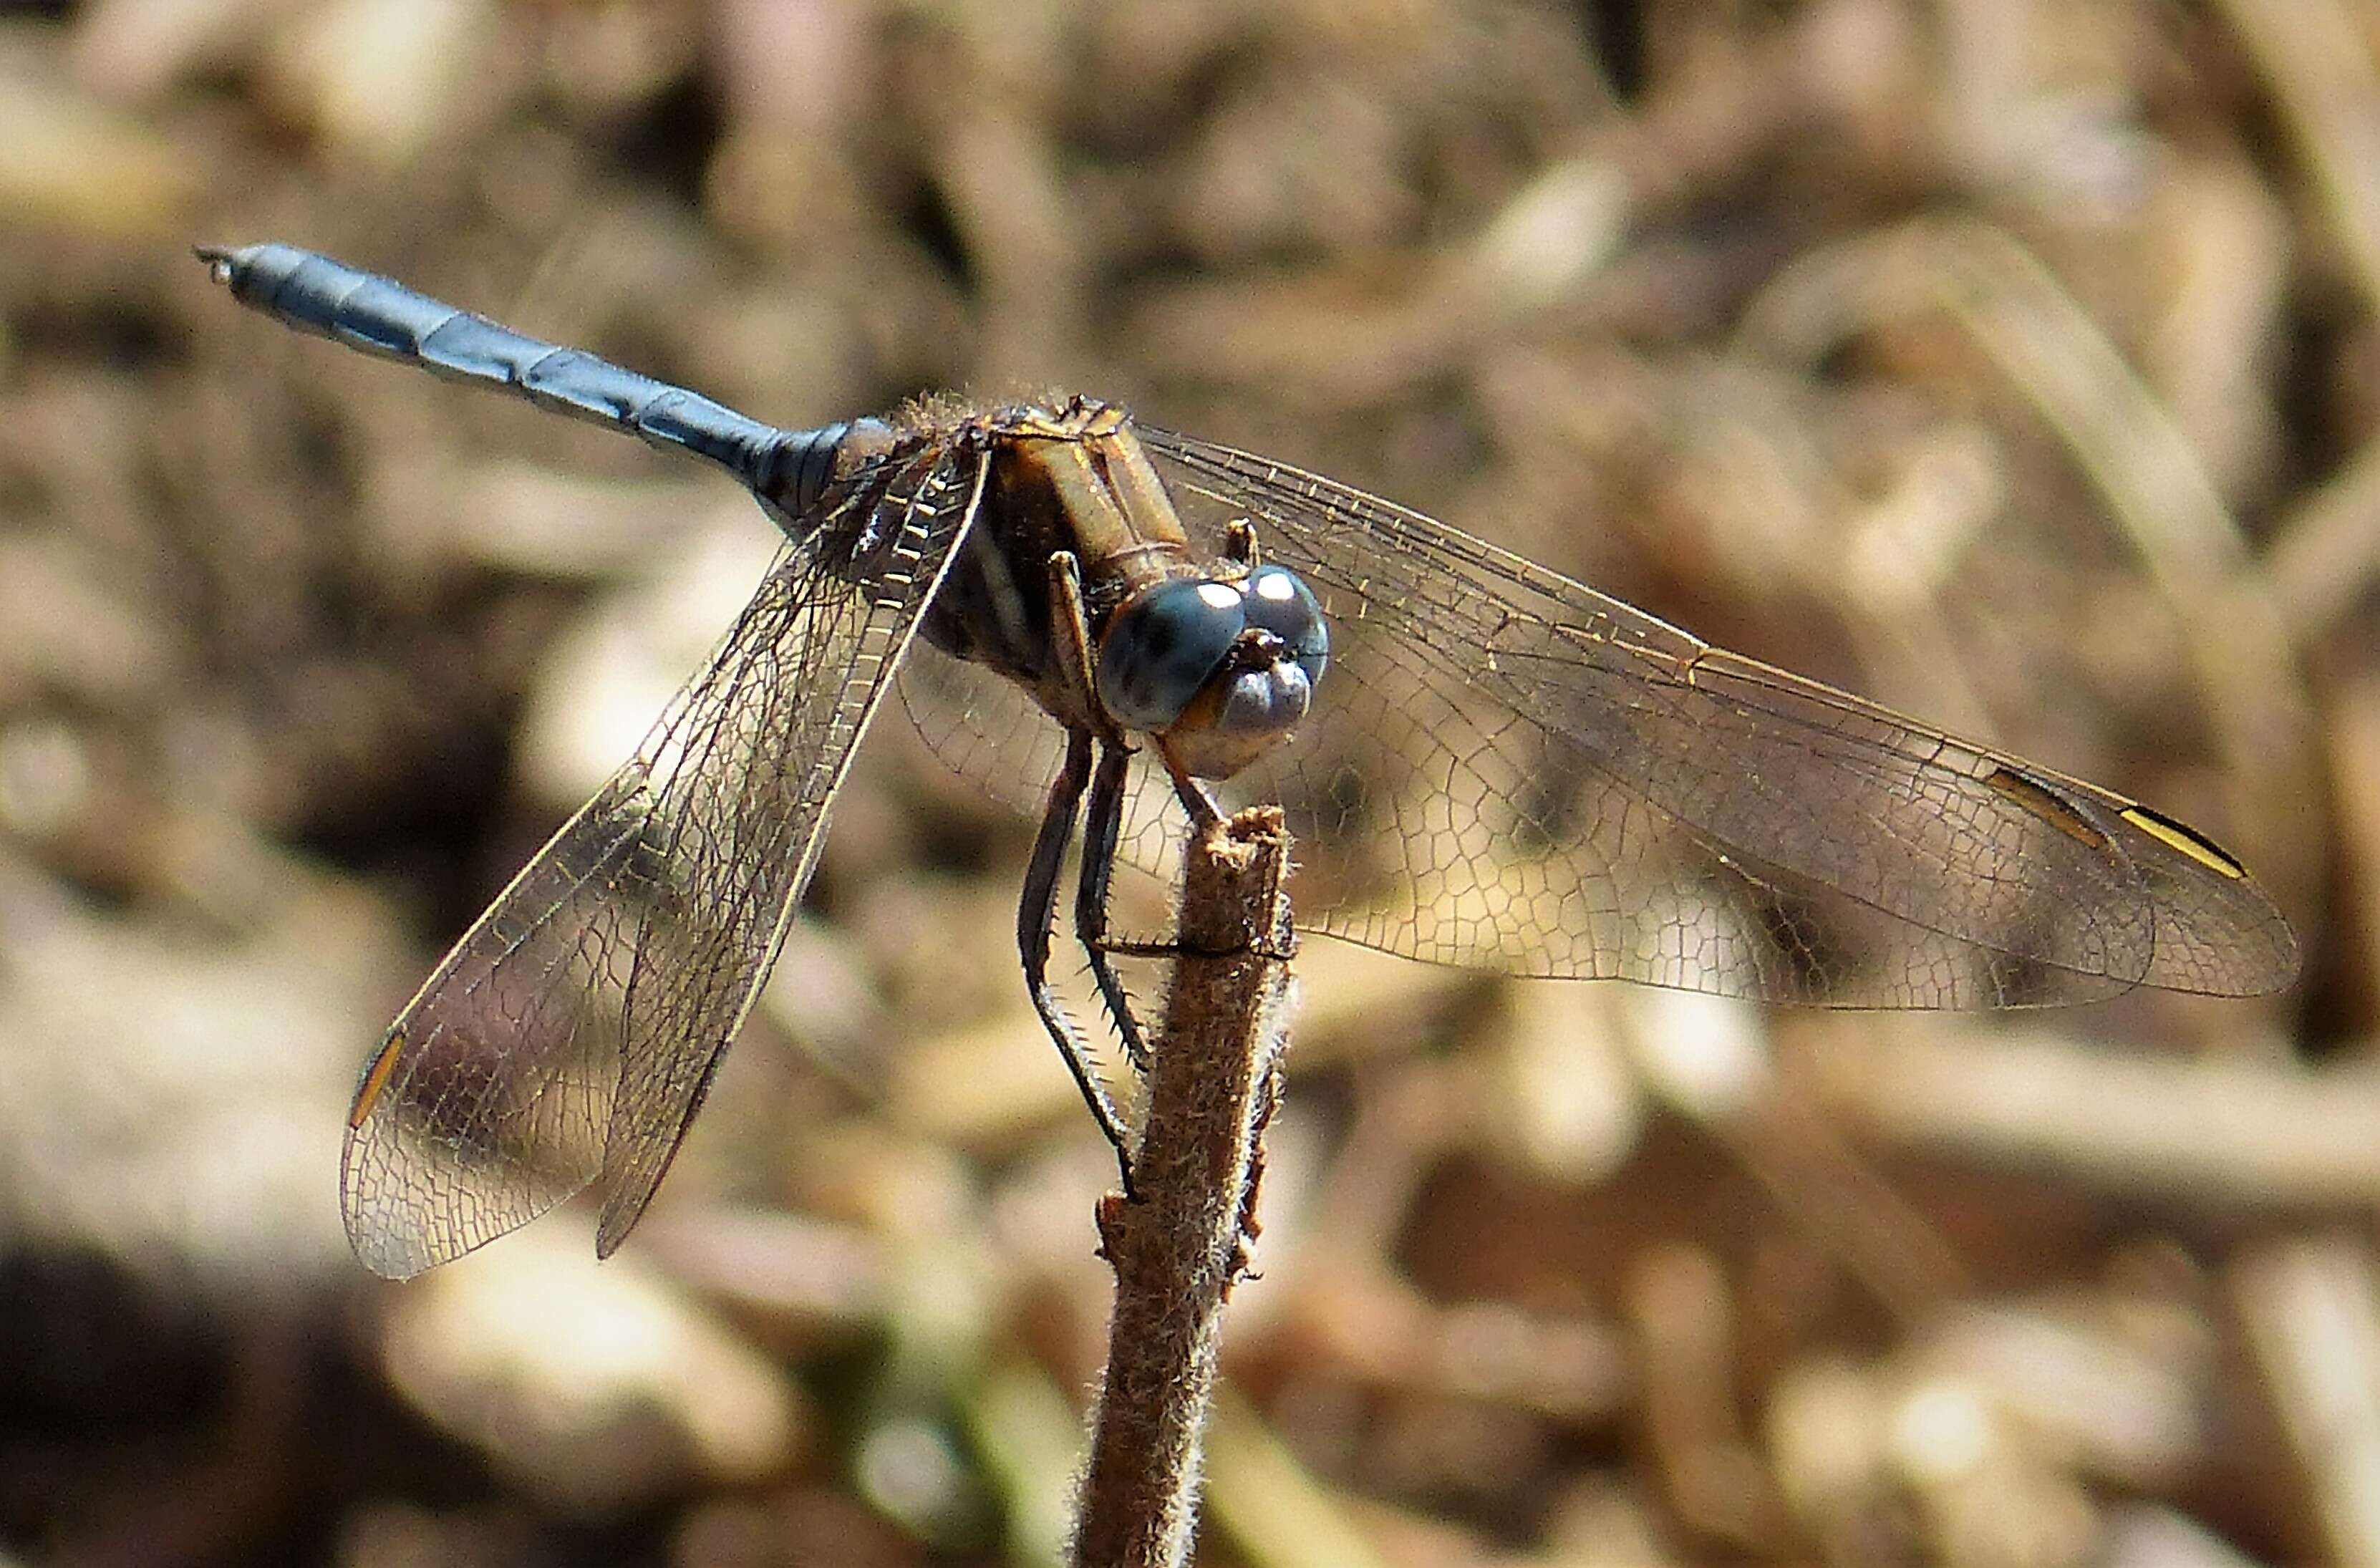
[2011, 362]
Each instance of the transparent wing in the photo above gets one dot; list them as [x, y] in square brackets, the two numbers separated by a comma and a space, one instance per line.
[1509, 769]
[570, 1036]
[991, 732]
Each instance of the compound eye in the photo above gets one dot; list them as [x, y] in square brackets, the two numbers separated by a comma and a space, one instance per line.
[1163, 645]
[1279, 602]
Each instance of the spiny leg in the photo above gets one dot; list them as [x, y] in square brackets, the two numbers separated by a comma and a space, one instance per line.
[1195, 798]
[1198, 802]
[1035, 914]
[1071, 634]
[1102, 825]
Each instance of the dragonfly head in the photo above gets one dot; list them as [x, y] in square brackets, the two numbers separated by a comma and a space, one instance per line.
[1223, 668]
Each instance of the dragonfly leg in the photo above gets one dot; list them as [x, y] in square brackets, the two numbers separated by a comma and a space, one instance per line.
[1102, 824]
[1070, 628]
[1197, 798]
[1035, 914]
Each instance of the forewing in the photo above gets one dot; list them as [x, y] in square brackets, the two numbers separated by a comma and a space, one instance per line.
[1516, 771]
[571, 1034]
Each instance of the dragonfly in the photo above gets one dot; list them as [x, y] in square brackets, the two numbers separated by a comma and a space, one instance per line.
[1132, 629]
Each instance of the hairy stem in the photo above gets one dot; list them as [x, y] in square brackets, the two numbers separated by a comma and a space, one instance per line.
[1213, 1077]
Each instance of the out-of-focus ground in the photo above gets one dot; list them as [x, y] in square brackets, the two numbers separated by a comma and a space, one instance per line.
[2014, 363]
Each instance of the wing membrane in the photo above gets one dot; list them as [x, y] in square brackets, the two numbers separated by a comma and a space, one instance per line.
[569, 1036]
[1548, 781]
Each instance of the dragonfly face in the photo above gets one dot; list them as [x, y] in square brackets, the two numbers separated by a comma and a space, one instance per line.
[1517, 773]
[1214, 658]
[1221, 669]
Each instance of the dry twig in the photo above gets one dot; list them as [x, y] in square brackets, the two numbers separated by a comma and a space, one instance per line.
[1177, 1250]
